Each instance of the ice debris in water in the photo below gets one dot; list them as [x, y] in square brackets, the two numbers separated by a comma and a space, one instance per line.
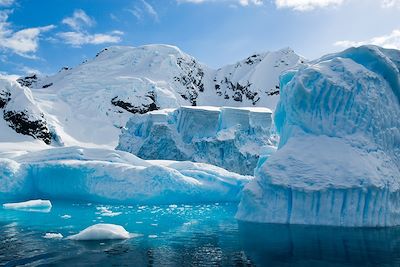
[53, 236]
[102, 231]
[30, 205]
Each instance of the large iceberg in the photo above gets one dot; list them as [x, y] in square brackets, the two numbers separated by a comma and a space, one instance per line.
[338, 160]
[109, 176]
[232, 138]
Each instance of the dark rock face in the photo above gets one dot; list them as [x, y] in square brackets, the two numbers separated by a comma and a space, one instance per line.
[47, 85]
[21, 123]
[5, 97]
[28, 81]
[192, 79]
[144, 108]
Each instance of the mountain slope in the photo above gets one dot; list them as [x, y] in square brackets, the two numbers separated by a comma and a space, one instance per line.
[91, 102]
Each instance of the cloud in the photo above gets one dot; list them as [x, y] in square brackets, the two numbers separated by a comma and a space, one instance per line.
[6, 3]
[390, 3]
[139, 12]
[79, 22]
[24, 42]
[150, 10]
[240, 2]
[78, 39]
[391, 40]
[306, 5]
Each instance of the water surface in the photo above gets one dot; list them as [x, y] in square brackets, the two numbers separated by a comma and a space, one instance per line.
[185, 235]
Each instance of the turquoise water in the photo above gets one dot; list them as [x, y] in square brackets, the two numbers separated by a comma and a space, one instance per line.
[186, 235]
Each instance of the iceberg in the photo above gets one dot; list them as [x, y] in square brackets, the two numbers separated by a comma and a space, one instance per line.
[231, 138]
[109, 176]
[30, 205]
[338, 159]
[101, 231]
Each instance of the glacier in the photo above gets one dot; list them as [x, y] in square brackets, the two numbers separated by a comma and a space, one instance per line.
[231, 138]
[88, 104]
[338, 159]
[109, 176]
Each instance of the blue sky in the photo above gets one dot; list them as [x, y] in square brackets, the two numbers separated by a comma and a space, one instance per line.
[44, 35]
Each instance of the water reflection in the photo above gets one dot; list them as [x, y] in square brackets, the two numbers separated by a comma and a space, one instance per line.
[203, 235]
[286, 245]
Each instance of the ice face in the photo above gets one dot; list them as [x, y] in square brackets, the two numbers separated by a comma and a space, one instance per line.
[232, 138]
[109, 176]
[339, 153]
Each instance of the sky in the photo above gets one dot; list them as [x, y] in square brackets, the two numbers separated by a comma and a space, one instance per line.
[41, 36]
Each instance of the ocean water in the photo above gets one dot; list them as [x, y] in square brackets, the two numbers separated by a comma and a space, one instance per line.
[185, 235]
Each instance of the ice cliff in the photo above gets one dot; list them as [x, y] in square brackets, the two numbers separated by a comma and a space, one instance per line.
[109, 176]
[338, 160]
[232, 138]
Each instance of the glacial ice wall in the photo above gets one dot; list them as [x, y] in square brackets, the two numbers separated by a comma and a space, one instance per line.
[109, 176]
[338, 160]
[231, 138]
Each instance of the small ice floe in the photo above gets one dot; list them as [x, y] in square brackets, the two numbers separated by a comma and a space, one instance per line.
[37, 205]
[66, 216]
[107, 213]
[153, 236]
[53, 236]
[102, 232]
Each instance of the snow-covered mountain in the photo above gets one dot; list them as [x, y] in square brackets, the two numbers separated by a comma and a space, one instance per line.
[90, 103]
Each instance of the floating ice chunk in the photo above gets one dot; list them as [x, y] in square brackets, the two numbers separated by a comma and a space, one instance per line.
[102, 232]
[31, 205]
[108, 213]
[53, 236]
[66, 216]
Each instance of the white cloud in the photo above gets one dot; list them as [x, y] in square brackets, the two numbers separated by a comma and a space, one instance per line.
[79, 20]
[137, 12]
[306, 5]
[24, 42]
[150, 10]
[391, 40]
[390, 3]
[240, 2]
[145, 9]
[6, 3]
[78, 39]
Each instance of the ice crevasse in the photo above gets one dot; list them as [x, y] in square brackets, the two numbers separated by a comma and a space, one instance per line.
[338, 160]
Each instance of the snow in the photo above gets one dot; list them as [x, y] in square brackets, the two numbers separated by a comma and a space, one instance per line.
[232, 138]
[339, 152]
[109, 176]
[53, 236]
[101, 232]
[88, 104]
[30, 205]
